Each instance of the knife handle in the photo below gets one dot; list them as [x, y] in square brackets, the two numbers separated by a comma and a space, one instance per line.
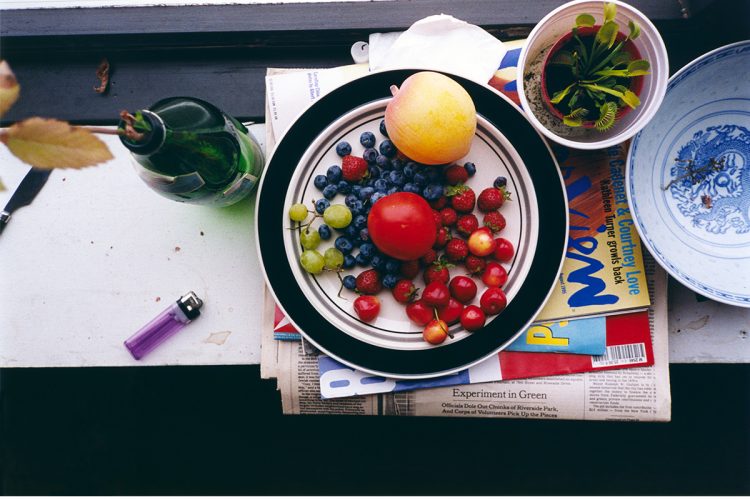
[4, 218]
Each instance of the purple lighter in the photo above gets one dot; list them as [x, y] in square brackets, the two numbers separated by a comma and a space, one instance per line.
[166, 324]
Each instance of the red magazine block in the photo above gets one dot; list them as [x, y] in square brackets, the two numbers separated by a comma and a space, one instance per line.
[628, 346]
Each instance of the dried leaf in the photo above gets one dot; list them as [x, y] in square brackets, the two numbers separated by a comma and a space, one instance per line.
[45, 143]
[102, 73]
[9, 88]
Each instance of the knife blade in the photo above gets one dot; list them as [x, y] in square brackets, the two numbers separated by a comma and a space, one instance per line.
[25, 193]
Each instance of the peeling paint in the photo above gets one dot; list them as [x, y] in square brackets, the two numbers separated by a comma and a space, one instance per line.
[218, 338]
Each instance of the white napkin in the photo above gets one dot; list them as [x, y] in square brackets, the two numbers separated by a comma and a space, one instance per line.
[441, 43]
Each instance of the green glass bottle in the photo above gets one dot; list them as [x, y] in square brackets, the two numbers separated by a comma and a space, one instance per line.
[191, 151]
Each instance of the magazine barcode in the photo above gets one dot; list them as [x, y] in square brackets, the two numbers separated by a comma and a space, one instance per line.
[625, 354]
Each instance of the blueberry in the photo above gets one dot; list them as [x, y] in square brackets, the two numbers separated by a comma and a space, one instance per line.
[390, 280]
[349, 262]
[364, 235]
[432, 192]
[321, 181]
[343, 148]
[392, 190]
[409, 170]
[352, 232]
[387, 148]
[359, 222]
[365, 193]
[378, 262]
[367, 249]
[350, 282]
[350, 199]
[344, 187]
[370, 183]
[383, 161]
[412, 188]
[367, 139]
[324, 231]
[392, 266]
[500, 182]
[322, 204]
[375, 197]
[471, 169]
[333, 174]
[433, 174]
[344, 245]
[374, 172]
[362, 259]
[356, 207]
[355, 190]
[397, 178]
[381, 186]
[382, 128]
[397, 164]
[370, 155]
[330, 191]
[420, 179]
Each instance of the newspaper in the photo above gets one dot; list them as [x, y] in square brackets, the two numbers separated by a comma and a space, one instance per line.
[637, 394]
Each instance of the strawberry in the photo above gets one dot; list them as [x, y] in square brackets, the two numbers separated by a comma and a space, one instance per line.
[368, 282]
[462, 198]
[367, 307]
[449, 216]
[456, 174]
[443, 236]
[440, 203]
[438, 219]
[404, 291]
[467, 224]
[410, 268]
[495, 221]
[475, 265]
[437, 272]
[456, 250]
[353, 168]
[429, 258]
[492, 198]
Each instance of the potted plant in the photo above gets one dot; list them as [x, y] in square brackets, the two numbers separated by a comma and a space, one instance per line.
[592, 74]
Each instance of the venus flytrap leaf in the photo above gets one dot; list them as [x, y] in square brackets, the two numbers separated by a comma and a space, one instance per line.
[558, 97]
[639, 65]
[610, 11]
[635, 30]
[607, 34]
[585, 20]
[607, 115]
[631, 99]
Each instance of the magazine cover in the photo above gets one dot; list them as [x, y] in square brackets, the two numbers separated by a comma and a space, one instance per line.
[603, 271]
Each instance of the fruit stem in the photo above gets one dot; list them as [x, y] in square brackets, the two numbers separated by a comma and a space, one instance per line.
[394, 90]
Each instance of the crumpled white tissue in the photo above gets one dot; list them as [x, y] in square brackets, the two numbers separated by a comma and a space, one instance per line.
[442, 43]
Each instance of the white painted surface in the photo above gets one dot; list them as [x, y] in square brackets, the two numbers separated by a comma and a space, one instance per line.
[98, 254]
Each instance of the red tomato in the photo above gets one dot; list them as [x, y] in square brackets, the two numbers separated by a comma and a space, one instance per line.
[401, 225]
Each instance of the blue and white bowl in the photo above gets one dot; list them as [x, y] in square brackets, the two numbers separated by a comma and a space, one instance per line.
[688, 176]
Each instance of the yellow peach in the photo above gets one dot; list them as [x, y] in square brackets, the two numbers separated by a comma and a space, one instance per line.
[431, 118]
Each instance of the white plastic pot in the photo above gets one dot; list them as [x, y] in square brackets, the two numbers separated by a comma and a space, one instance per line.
[555, 25]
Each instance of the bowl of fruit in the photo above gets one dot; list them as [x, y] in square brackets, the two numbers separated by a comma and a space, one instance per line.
[411, 223]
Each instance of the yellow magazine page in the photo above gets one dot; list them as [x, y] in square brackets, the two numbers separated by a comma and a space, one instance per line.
[603, 271]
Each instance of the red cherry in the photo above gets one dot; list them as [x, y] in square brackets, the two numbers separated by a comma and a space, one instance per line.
[481, 242]
[367, 307]
[472, 318]
[451, 312]
[436, 294]
[419, 312]
[504, 250]
[463, 289]
[494, 275]
[493, 301]
[435, 332]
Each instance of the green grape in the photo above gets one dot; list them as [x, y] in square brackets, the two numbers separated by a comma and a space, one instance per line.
[298, 212]
[312, 261]
[334, 258]
[337, 216]
[309, 239]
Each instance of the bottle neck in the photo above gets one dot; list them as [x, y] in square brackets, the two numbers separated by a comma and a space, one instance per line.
[152, 139]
